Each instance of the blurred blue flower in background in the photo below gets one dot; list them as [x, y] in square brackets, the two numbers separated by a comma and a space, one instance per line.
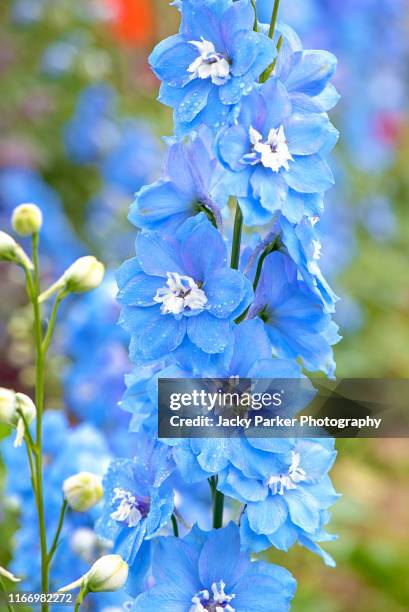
[67, 451]
[93, 130]
[60, 245]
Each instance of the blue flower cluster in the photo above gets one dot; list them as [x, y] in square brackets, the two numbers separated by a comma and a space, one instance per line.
[204, 297]
[371, 122]
[125, 154]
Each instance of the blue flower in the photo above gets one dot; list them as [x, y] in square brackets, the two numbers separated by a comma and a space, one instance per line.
[303, 245]
[295, 322]
[94, 380]
[286, 495]
[93, 130]
[273, 155]
[138, 501]
[134, 160]
[179, 287]
[214, 60]
[207, 571]
[200, 458]
[183, 191]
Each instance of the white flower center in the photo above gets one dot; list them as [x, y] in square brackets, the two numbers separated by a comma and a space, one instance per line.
[272, 153]
[209, 63]
[128, 510]
[218, 601]
[280, 484]
[181, 293]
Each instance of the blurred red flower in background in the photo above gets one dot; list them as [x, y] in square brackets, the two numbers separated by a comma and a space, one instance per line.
[132, 21]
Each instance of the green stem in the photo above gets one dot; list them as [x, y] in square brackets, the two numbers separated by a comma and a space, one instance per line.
[6, 595]
[32, 469]
[51, 324]
[269, 249]
[273, 22]
[175, 526]
[218, 507]
[272, 247]
[39, 401]
[237, 230]
[81, 596]
[266, 74]
[29, 440]
[255, 26]
[57, 533]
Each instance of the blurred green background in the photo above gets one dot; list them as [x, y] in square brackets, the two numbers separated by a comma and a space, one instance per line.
[372, 518]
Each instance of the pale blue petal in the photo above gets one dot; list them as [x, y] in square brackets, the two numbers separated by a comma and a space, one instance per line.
[157, 255]
[270, 187]
[224, 290]
[306, 134]
[267, 516]
[208, 333]
[309, 174]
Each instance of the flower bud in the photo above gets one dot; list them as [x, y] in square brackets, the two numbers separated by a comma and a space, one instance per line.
[7, 405]
[13, 407]
[83, 491]
[109, 573]
[11, 251]
[27, 219]
[6, 574]
[85, 274]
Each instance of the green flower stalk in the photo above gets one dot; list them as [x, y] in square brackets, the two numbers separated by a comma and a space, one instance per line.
[83, 490]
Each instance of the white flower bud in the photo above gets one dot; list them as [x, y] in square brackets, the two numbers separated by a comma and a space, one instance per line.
[11, 251]
[27, 219]
[13, 407]
[85, 274]
[7, 405]
[109, 573]
[6, 574]
[83, 491]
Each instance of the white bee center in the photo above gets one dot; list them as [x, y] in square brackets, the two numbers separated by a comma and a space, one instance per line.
[128, 510]
[284, 482]
[273, 153]
[180, 294]
[209, 63]
[216, 601]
